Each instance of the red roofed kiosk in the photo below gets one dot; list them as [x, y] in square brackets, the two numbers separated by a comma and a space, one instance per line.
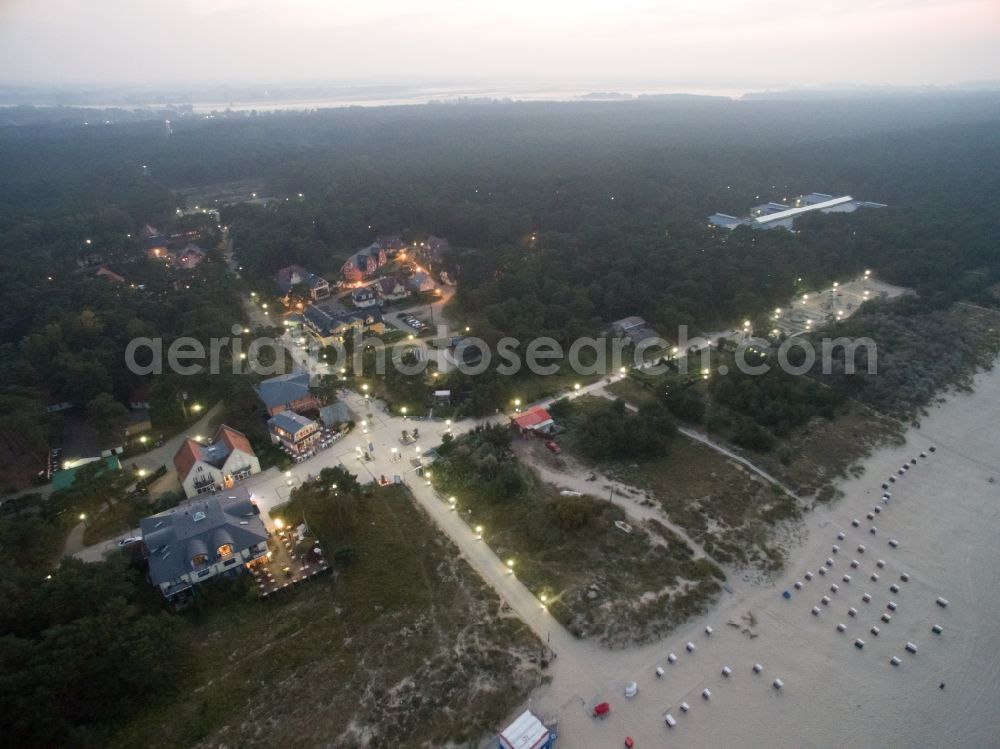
[533, 420]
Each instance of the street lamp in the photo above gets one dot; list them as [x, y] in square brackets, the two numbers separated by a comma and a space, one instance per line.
[510, 566]
[543, 598]
[196, 407]
[83, 516]
[403, 411]
[479, 532]
[453, 502]
[143, 439]
[576, 385]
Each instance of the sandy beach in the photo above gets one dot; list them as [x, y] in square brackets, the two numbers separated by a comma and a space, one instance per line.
[943, 513]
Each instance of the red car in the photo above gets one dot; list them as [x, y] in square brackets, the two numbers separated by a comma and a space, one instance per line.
[601, 710]
[629, 743]
[553, 446]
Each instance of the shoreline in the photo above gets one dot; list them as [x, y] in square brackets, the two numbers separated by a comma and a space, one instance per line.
[835, 693]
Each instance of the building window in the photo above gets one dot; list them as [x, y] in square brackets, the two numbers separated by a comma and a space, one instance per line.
[226, 550]
[198, 560]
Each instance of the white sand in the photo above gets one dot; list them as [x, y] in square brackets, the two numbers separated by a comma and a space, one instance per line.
[944, 512]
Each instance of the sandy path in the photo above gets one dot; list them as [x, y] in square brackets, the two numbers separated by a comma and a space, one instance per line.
[574, 477]
[945, 514]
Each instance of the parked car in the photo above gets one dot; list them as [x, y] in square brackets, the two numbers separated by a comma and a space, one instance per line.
[553, 446]
[129, 541]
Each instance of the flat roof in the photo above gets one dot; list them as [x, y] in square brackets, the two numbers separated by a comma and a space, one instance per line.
[803, 209]
[526, 732]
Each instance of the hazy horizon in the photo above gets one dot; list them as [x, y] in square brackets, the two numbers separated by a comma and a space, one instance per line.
[746, 44]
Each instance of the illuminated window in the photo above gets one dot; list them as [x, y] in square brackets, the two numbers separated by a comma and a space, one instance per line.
[225, 550]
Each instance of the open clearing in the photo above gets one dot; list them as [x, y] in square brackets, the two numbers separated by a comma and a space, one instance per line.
[405, 646]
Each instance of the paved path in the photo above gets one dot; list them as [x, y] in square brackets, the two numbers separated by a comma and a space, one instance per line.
[164, 454]
[74, 540]
[704, 439]
[630, 499]
[583, 672]
[150, 460]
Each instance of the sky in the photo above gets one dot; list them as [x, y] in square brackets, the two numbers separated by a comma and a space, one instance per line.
[725, 42]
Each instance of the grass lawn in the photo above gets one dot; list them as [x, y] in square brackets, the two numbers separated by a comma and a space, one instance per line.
[729, 510]
[530, 387]
[405, 646]
[632, 392]
[723, 506]
[812, 457]
[121, 518]
[815, 456]
[600, 582]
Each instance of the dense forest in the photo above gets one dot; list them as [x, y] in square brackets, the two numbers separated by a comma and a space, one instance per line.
[563, 217]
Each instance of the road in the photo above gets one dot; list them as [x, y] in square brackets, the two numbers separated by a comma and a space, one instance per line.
[583, 672]
[151, 459]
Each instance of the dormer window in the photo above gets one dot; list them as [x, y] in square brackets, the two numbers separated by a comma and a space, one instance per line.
[226, 550]
[198, 560]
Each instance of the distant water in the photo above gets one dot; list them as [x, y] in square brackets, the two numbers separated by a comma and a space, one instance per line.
[374, 97]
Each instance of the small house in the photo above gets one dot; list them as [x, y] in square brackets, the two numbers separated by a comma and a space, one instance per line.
[206, 468]
[294, 432]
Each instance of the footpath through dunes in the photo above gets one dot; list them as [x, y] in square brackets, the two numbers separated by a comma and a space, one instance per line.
[571, 475]
[934, 538]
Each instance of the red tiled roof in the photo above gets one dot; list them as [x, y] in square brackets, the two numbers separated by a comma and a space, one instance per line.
[533, 418]
[109, 275]
[188, 454]
[233, 440]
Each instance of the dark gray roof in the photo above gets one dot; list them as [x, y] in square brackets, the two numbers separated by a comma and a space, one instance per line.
[324, 322]
[725, 221]
[643, 335]
[626, 324]
[283, 389]
[289, 421]
[199, 526]
[335, 413]
[290, 275]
